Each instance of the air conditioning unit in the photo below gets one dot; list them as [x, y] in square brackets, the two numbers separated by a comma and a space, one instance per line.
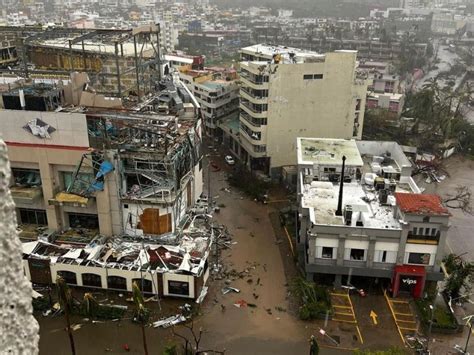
[348, 215]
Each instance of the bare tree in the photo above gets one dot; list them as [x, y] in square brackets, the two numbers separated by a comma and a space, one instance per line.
[65, 300]
[192, 346]
[460, 199]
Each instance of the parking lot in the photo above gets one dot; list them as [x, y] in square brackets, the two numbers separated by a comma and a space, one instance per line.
[367, 321]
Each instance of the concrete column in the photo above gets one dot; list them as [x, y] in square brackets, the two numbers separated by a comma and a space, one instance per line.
[309, 276]
[340, 250]
[403, 244]
[49, 188]
[338, 281]
[440, 252]
[371, 251]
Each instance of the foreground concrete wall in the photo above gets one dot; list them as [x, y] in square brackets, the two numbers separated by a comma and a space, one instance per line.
[18, 327]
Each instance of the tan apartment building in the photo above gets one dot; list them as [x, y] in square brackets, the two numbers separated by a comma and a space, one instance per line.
[288, 93]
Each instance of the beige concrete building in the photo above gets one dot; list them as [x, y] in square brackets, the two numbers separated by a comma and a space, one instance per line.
[288, 93]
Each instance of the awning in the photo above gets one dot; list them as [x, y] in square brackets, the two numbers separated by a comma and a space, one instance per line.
[64, 198]
[410, 270]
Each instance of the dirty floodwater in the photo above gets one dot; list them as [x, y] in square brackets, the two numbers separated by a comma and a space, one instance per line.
[266, 326]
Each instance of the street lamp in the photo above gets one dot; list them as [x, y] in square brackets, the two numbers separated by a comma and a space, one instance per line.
[468, 320]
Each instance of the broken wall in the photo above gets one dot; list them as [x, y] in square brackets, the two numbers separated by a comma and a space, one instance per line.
[141, 219]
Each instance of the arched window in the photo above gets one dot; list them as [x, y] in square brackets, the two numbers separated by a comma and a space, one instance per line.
[91, 280]
[69, 277]
[117, 282]
[147, 285]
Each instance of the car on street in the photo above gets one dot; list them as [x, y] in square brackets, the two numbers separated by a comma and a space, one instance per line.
[229, 160]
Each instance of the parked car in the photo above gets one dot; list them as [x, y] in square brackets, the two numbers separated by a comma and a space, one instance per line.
[229, 160]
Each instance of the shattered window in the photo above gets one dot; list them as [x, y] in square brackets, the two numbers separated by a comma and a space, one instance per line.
[83, 180]
[117, 282]
[178, 288]
[29, 216]
[69, 277]
[80, 220]
[91, 280]
[26, 177]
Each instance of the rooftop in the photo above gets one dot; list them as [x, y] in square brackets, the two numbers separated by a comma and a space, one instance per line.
[421, 204]
[287, 54]
[322, 198]
[184, 254]
[328, 151]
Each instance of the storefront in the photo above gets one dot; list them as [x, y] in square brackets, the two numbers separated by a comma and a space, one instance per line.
[408, 279]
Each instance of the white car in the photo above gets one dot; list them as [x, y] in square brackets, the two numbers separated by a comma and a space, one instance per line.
[229, 160]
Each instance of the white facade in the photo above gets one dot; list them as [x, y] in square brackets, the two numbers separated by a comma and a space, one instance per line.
[288, 93]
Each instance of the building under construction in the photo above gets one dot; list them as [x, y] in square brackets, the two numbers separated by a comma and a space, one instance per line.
[121, 63]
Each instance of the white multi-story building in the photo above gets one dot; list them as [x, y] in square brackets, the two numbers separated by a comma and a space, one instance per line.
[375, 225]
[286, 93]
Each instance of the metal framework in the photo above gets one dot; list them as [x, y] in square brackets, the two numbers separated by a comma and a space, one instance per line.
[145, 55]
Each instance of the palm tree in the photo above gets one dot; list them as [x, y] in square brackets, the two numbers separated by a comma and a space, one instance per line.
[141, 312]
[65, 300]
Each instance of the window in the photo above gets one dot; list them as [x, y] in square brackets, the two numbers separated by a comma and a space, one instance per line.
[327, 253]
[178, 288]
[82, 181]
[357, 254]
[26, 177]
[426, 219]
[433, 231]
[37, 217]
[419, 258]
[147, 285]
[312, 76]
[383, 258]
[69, 277]
[80, 220]
[91, 280]
[117, 282]
[415, 230]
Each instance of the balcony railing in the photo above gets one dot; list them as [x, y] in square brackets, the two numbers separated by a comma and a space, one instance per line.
[256, 122]
[252, 107]
[423, 239]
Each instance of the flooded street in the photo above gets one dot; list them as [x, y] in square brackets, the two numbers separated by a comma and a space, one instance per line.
[266, 326]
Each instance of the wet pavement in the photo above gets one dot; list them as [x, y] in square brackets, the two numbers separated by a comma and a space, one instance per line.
[260, 265]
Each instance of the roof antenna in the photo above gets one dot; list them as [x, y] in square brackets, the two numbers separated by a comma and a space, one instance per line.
[341, 187]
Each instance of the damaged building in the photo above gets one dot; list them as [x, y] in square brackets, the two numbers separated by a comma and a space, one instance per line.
[176, 266]
[121, 63]
[362, 217]
[86, 165]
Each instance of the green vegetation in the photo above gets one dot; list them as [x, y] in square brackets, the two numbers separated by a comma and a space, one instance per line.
[461, 275]
[391, 351]
[248, 182]
[315, 299]
[442, 317]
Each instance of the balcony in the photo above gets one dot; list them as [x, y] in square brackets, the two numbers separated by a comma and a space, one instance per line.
[254, 122]
[252, 96]
[423, 239]
[253, 109]
[26, 194]
[258, 82]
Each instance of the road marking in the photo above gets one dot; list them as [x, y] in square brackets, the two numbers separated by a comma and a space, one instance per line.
[394, 318]
[360, 335]
[289, 240]
[341, 307]
[373, 315]
[403, 314]
[345, 321]
[357, 326]
[337, 347]
[340, 294]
